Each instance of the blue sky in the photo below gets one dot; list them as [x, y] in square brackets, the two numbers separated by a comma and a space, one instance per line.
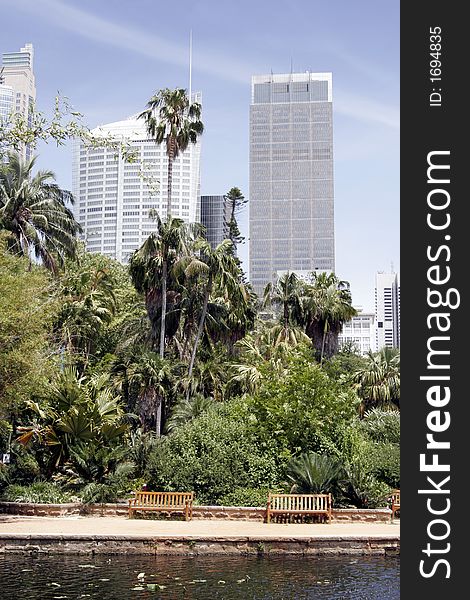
[108, 58]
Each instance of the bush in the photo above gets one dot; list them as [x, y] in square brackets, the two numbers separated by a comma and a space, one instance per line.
[212, 455]
[384, 463]
[382, 425]
[361, 489]
[43, 492]
[305, 411]
[313, 473]
[257, 497]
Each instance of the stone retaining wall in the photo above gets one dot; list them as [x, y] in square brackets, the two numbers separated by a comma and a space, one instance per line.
[317, 546]
[232, 513]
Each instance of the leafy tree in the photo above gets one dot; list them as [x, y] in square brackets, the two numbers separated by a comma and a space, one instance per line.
[214, 454]
[89, 302]
[235, 201]
[153, 264]
[378, 381]
[82, 417]
[28, 306]
[287, 294]
[186, 410]
[150, 378]
[304, 410]
[172, 119]
[65, 124]
[327, 306]
[34, 212]
[218, 265]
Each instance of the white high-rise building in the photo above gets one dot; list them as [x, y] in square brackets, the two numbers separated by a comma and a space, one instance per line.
[113, 197]
[291, 176]
[387, 309]
[360, 331]
[18, 87]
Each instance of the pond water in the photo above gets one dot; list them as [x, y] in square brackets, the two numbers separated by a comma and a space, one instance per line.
[199, 578]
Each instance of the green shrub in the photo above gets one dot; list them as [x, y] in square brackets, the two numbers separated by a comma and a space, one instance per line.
[384, 463]
[382, 425]
[43, 492]
[361, 489]
[246, 497]
[212, 455]
[23, 468]
[313, 473]
[304, 411]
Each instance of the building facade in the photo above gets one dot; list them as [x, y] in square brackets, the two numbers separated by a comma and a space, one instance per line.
[18, 87]
[387, 310]
[360, 332]
[113, 198]
[291, 175]
[214, 217]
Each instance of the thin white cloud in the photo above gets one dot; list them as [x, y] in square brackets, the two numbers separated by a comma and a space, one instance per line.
[157, 48]
[364, 109]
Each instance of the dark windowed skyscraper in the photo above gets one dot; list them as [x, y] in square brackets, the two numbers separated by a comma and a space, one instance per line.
[291, 176]
[214, 216]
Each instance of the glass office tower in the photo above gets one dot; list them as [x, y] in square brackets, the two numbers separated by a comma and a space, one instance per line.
[18, 88]
[291, 176]
[214, 216]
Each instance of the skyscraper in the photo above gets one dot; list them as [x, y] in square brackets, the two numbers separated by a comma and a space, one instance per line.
[113, 197]
[214, 217]
[291, 176]
[387, 309]
[18, 87]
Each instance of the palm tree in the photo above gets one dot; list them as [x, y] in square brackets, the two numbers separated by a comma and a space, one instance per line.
[219, 265]
[150, 378]
[313, 473]
[170, 117]
[378, 382]
[153, 263]
[80, 412]
[287, 293]
[33, 209]
[89, 303]
[186, 410]
[327, 306]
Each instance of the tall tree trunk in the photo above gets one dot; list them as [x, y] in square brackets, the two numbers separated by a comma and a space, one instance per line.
[325, 329]
[163, 320]
[162, 336]
[171, 157]
[198, 334]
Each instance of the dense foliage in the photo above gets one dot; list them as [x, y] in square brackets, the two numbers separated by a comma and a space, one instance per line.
[163, 372]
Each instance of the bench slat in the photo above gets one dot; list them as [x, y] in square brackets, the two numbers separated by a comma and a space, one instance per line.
[299, 504]
[167, 501]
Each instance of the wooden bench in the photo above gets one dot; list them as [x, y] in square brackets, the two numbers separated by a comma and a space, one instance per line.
[163, 501]
[395, 500]
[299, 504]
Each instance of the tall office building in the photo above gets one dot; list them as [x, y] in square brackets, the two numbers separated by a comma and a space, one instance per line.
[18, 87]
[291, 176]
[214, 217]
[113, 197]
[387, 309]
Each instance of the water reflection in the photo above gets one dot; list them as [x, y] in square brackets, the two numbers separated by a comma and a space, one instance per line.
[199, 578]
